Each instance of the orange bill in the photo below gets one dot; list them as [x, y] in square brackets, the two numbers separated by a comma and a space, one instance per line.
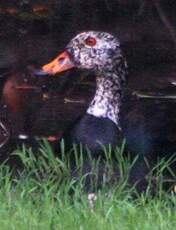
[59, 64]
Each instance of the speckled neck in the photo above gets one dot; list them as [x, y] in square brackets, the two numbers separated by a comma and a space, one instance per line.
[107, 100]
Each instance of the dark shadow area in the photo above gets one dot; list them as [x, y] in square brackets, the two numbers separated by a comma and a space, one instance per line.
[34, 32]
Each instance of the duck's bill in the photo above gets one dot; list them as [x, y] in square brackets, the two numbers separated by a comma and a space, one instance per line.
[59, 64]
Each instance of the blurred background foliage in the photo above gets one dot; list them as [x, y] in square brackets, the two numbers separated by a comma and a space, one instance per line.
[147, 29]
[76, 15]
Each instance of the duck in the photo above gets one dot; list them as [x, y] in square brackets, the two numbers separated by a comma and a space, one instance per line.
[20, 98]
[148, 126]
[101, 53]
[18, 91]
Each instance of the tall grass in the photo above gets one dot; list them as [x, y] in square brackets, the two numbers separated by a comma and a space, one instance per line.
[46, 194]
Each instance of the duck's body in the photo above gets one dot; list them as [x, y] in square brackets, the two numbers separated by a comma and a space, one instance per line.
[93, 133]
[105, 122]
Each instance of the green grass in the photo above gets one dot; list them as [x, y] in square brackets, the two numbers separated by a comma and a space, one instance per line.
[39, 198]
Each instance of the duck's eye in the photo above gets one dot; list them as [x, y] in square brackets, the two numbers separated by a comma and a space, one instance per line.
[90, 41]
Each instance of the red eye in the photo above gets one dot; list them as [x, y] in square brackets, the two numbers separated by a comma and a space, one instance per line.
[90, 41]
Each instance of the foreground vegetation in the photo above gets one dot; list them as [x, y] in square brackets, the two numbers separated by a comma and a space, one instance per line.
[38, 197]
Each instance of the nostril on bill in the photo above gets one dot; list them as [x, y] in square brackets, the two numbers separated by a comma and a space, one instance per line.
[61, 60]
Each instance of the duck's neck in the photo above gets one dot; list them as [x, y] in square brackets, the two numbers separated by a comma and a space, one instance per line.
[107, 100]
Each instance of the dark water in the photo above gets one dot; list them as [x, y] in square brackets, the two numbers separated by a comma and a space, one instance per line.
[53, 104]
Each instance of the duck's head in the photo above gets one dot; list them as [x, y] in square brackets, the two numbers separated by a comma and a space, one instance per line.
[97, 51]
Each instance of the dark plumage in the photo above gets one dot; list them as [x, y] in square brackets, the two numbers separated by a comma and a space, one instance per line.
[93, 132]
